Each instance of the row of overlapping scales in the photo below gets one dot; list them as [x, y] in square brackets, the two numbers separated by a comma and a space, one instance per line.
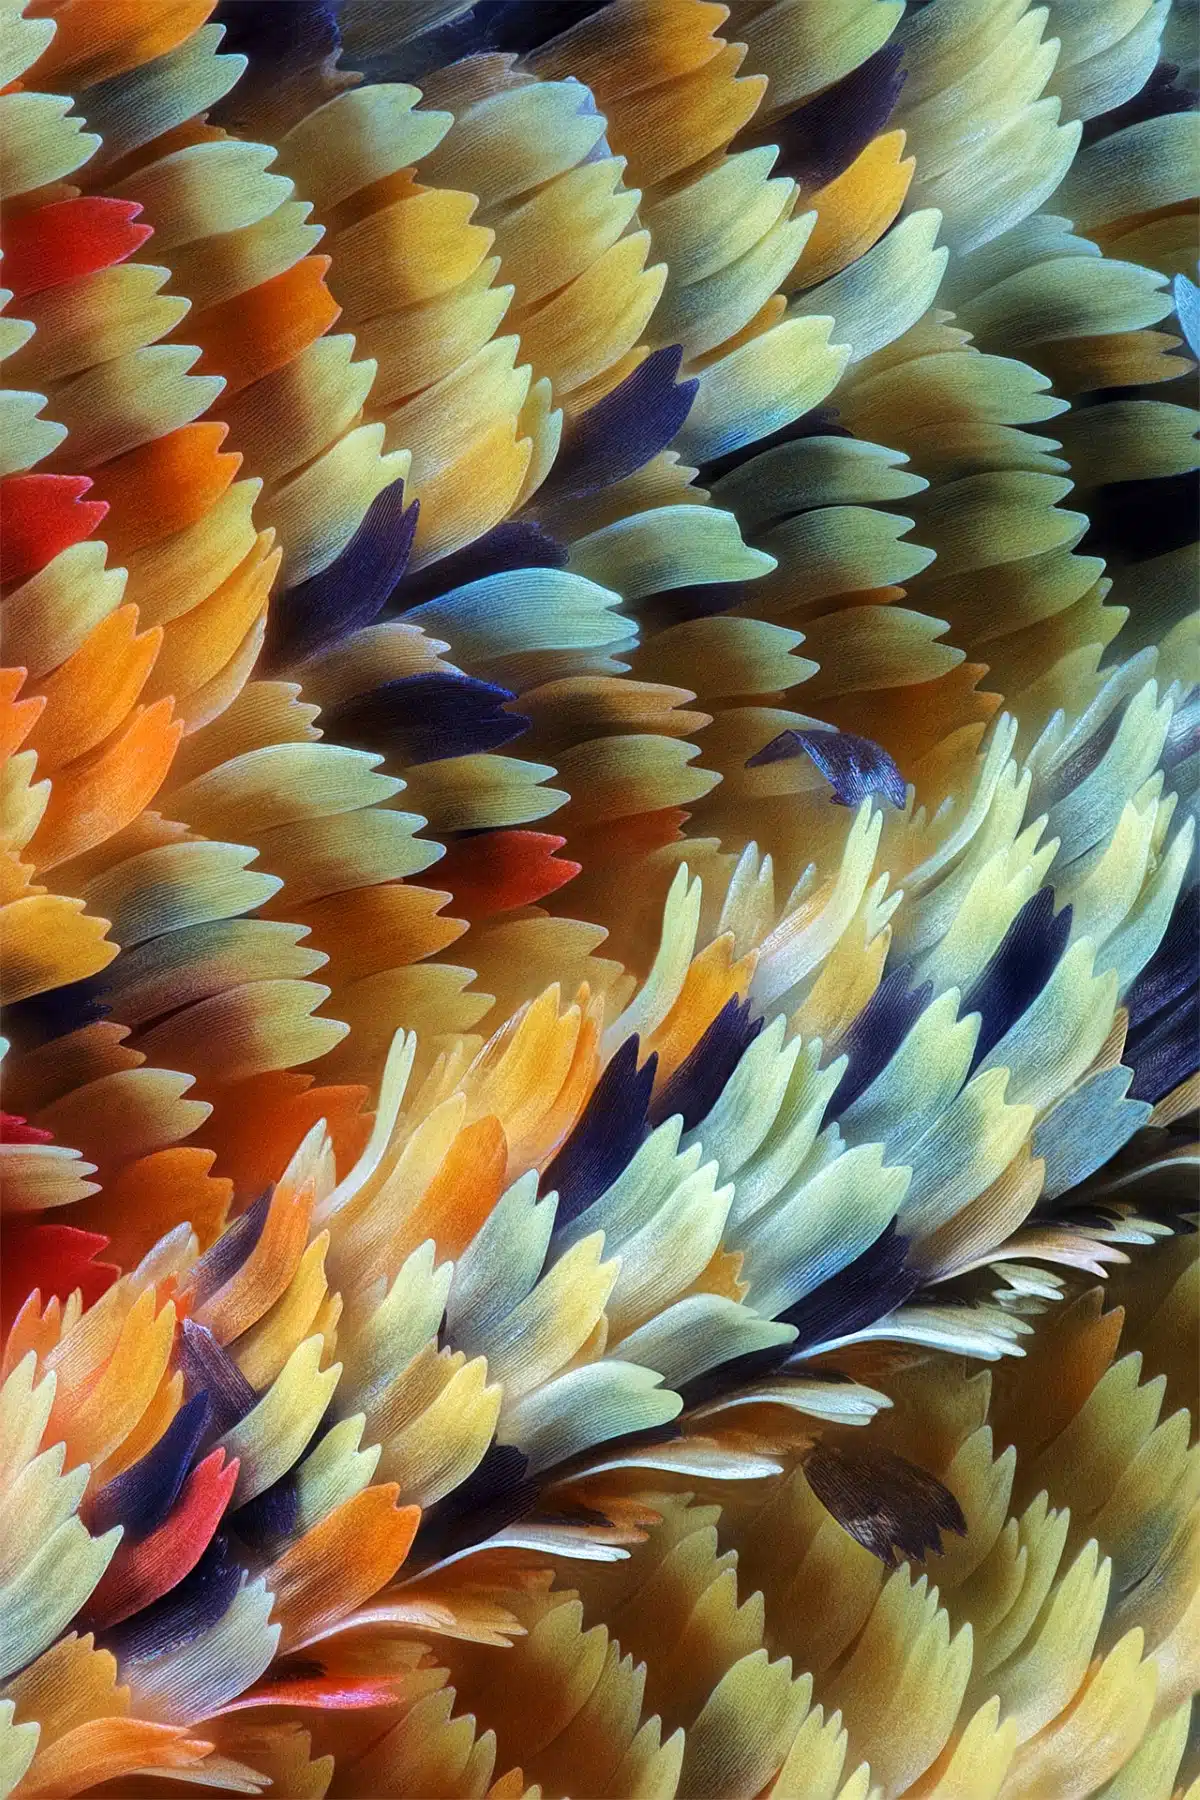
[618, 418]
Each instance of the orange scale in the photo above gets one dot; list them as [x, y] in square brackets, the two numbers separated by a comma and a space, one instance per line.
[722, 1275]
[1107, 236]
[18, 205]
[590, 393]
[854, 210]
[410, 250]
[207, 703]
[1066, 1361]
[168, 1398]
[501, 870]
[509, 1786]
[255, 333]
[947, 768]
[466, 497]
[16, 879]
[633, 45]
[95, 1418]
[165, 485]
[461, 1195]
[148, 1198]
[256, 1130]
[797, 617]
[636, 835]
[911, 722]
[340, 1563]
[542, 1140]
[199, 644]
[1122, 359]
[68, 1683]
[17, 717]
[714, 979]
[33, 1328]
[527, 1065]
[264, 1275]
[113, 1749]
[88, 696]
[374, 928]
[93, 43]
[48, 942]
[93, 799]
[669, 128]
[148, 831]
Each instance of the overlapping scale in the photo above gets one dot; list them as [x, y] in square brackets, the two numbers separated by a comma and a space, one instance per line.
[598, 456]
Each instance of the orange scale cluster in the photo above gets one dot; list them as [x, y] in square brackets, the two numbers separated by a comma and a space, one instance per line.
[181, 525]
[573, 1697]
[998, 513]
[161, 488]
[151, 1195]
[173, 474]
[47, 939]
[110, 1747]
[620, 746]
[111, 1398]
[854, 209]
[1119, 359]
[1161, 237]
[89, 804]
[867, 660]
[347, 208]
[143, 1107]
[352, 215]
[155, 496]
[87, 49]
[673, 95]
[934, 726]
[63, 611]
[338, 868]
[674, 102]
[88, 696]
[253, 334]
[466, 436]
[729, 231]
[408, 270]
[246, 413]
[100, 1095]
[259, 302]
